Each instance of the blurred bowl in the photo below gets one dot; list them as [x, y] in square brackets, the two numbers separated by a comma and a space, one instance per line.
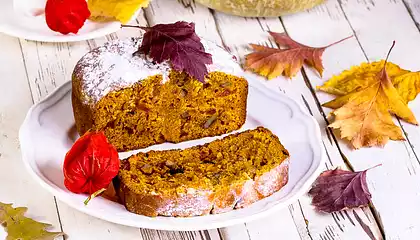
[260, 8]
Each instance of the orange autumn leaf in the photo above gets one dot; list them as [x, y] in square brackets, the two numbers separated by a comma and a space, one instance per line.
[363, 115]
[273, 62]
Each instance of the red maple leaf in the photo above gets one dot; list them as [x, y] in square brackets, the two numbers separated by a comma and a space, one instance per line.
[178, 43]
[273, 62]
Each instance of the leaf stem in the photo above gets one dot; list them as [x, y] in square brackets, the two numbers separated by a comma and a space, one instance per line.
[132, 26]
[383, 71]
[389, 52]
[93, 195]
[378, 165]
[339, 41]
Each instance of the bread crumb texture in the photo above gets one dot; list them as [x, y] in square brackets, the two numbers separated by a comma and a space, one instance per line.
[151, 112]
[229, 173]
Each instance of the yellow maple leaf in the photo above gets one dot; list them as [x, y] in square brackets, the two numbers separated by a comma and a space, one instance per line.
[407, 85]
[120, 10]
[365, 103]
[357, 77]
[20, 227]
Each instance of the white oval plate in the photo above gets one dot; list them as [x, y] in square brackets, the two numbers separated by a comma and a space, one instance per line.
[46, 135]
[19, 18]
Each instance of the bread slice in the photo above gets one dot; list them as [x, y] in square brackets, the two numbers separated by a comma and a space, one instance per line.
[217, 177]
[138, 103]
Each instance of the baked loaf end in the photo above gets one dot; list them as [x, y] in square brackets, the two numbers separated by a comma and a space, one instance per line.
[217, 177]
[138, 103]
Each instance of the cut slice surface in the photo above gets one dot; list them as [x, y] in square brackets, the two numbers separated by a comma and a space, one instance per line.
[231, 172]
[181, 109]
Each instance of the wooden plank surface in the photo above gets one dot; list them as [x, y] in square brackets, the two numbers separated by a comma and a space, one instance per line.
[48, 66]
[309, 223]
[44, 76]
[38, 68]
[376, 24]
[326, 23]
[15, 185]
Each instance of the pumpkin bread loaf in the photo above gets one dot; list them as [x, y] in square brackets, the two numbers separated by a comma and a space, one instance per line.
[217, 177]
[138, 103]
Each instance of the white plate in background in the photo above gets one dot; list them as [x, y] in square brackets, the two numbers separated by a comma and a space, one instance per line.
[25, 19]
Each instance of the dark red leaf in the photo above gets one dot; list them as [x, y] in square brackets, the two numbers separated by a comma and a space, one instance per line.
[178, 43]
[335, 190]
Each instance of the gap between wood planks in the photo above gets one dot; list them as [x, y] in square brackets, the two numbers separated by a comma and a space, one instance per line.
[218, 27]
[334, 138]
[367, 60]
[64, 213]
[33, 101]
[411, 12]
[345, 160]
[375, 213]
[400, 26]
[306, 80]
[409, 146]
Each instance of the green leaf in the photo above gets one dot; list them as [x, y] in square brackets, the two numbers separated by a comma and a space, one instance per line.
[19, 227]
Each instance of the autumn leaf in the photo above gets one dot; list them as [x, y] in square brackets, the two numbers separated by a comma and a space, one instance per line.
[272, 62]
[337, 189]
[19, 227]
[120, 10]
[363, 115]
[357, 77]
[407, 85]
[178, 43]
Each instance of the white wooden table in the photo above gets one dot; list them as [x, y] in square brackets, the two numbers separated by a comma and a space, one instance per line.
[30, 70]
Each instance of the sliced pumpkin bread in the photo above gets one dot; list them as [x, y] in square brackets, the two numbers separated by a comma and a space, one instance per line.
[217, 177]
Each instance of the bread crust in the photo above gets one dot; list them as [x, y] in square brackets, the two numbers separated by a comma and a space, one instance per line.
[196, 202]
[151, 109]
[204, 202]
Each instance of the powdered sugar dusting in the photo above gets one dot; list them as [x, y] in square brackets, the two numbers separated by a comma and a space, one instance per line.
[223, 61]
[113, 66]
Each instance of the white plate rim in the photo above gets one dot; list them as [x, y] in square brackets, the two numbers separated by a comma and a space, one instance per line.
[111, 27]
[12, 30]
[301, 187]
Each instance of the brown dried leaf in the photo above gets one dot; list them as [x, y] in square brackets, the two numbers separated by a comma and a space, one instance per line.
[272, 62]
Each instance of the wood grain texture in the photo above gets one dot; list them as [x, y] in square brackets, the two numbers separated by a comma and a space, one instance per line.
[16, 185]
[38, 68]
[166, 11]
[391, 21]
[49, 65]
[53, 66]
[149, 234]
[205, 27]
[375, 24]
[310, 224]
[279, 223]
[413, 8]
